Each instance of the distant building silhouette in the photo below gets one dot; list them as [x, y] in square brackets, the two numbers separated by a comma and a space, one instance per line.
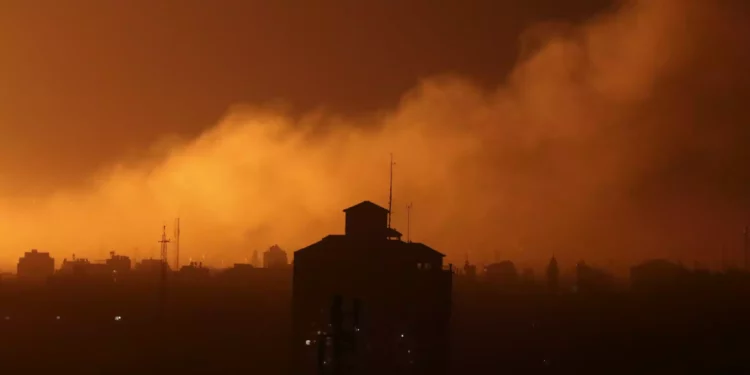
[553, 276]
[657, 274]
[470, 270]
[118, 263]
[527, 276]
[194, 271]
[35, 267]
[592, 280]
[502, 273]
[403, 288]
[150, 267]
[275, 257]
[82, 267]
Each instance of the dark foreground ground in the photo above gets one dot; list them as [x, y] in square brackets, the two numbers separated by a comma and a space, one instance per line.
[215, 329]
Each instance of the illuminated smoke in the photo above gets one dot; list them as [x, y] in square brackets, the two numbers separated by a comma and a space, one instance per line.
[581, 153]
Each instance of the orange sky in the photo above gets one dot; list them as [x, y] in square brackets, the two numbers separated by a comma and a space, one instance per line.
[522, 130]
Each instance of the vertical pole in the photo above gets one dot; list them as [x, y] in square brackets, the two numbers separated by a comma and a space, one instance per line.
[164, 267]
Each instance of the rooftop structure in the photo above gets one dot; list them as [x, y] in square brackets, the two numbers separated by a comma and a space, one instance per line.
[403, 288]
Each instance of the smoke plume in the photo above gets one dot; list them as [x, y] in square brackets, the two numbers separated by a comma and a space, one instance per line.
[619, 139]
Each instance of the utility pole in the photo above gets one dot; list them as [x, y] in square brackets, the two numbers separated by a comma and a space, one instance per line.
[408, 223]
[164, 265]
[164, 241]
[390, 193]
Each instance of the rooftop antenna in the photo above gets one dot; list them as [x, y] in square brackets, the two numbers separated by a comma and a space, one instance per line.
[390, 193]
[164, 241]
[408, 223]
[177, 242]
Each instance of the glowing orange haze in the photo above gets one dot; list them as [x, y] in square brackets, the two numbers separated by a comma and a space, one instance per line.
[545, 163]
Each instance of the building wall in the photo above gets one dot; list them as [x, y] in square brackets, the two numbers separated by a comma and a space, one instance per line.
[397, 297]
[369, 223]
[35, 266]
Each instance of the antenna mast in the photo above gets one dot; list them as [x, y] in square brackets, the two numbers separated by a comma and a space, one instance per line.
[390, 193]
[164, 241]
[177, 243]
[164, 266]
[408, 223]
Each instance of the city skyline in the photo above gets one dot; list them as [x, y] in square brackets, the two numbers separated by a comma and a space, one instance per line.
[612, 135]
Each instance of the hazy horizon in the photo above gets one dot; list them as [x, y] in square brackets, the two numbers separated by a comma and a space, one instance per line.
[617, 139]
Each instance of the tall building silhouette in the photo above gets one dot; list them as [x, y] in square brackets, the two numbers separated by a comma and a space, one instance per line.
[35, 266]
[553, 276]
[404, 294]
[119, 263]
[502, 273]
[275, 257]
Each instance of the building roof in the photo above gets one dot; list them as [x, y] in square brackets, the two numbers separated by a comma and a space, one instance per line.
[390, 232]
[339, 240]
[365, 205]
[275, 249]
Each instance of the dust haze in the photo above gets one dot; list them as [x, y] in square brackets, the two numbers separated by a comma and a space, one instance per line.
[617, 140]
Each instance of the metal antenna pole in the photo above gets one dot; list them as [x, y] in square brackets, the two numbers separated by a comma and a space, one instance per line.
[164, 241]
[164, 264]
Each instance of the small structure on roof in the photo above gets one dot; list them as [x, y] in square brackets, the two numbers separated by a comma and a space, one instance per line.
[367, 219]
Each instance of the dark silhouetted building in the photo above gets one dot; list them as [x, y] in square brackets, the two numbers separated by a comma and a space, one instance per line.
[83, 268]
[403, 288]
[150, 268]
[149, 265]
[275, 258]
[527, 276]
[593, 280]
[120, 264]
[35, 267]
[657, 275]
[470, 270]
[502, 273]
[194, 272]
[553, 276]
